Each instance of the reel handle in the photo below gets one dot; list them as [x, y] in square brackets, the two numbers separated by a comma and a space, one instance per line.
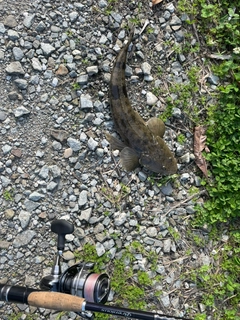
[61, 228]
[56, 301]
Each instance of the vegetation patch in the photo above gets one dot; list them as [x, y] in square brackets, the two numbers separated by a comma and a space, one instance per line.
[219, 281]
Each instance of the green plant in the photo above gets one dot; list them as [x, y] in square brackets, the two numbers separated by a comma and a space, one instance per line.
[128, 285]
[76, 86]
[174, 233]
[8, 195]
[181, 138]
[219, 282]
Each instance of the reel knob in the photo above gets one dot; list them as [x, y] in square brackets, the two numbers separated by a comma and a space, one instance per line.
[61, 228]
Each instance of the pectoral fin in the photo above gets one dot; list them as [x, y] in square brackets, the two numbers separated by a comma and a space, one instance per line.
[115, 143]
[156, 126]
[129, 159]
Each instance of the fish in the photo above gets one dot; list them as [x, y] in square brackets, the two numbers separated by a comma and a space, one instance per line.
[142, 143]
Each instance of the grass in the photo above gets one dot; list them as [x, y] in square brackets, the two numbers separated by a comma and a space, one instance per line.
[129, 286]
[219, 282]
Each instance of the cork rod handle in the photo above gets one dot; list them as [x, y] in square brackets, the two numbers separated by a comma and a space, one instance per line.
[56, 301]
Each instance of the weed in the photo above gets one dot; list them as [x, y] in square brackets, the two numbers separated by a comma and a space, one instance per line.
[174, 233]
[181, 138]
[8, 195]
[76, 86]
[219, 281]
[129, 286]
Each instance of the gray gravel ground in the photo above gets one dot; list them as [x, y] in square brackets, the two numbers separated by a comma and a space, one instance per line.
[55, 161]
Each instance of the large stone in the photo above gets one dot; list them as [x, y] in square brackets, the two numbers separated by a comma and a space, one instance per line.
[24, 238]
[10, 21]
[15, 68]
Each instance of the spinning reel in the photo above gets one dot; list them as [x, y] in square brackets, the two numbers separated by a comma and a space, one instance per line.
[78, 280]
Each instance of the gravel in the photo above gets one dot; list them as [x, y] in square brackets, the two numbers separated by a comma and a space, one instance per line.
[56, 59]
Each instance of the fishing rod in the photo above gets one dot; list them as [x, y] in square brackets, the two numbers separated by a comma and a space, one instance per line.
[65, 302]
[77, 289]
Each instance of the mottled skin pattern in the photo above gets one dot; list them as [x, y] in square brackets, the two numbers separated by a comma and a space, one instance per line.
[150, 149]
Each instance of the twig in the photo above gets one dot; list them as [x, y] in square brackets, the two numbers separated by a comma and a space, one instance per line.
[186, 200]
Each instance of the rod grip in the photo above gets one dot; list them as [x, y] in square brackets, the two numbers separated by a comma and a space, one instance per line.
[55, 301]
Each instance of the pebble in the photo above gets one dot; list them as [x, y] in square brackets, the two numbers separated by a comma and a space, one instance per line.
[10, 21]
[85, 214]
[74, 144]
[21, 111]
[47, 48]
[86, 101]
[82, 198]
[24, 218]
[15, 68]
[28, 20]
[24, 238]
[151, 99]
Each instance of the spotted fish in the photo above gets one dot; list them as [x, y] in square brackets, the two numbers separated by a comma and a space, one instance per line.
[142, 143]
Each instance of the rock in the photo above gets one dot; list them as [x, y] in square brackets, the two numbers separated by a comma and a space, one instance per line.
[73, 16]
[36, 196]
[31, 205]
[36, 64]
[3, 115]
[21, 83]
[167, 245]
[5, 181]
[44, 172]
[16, 152]
[24, 218]
[62, 70]
[28, 20]
[86, 101]
[85, 214]
[21, 111]
[100, 249]
[74, 144]
[92, 70]
[165, 300]
[68, 255]
[51, 186]
[59, 135]
[82, 79]
[82, 198]
[6, 148]
[177, 113]
[9, 214]
[167, 189]
[212, 79]
[47, 48]
[151, 99]
[4, 244]
[102, 4]
[151, 232]
[68, 153]
[120, 218]
[2, 28]
[15, 68]
[40, 27]
[24, 238]
[146, 68]
[92, 144]
[13, 35]
[55, 171]
[10, 21]
[142, 176]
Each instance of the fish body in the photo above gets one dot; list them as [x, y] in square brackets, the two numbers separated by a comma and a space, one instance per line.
[142, 142]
